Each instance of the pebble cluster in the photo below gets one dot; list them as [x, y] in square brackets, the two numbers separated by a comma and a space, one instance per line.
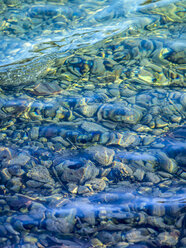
[92, 150]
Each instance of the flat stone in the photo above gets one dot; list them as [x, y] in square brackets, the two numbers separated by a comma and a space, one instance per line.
[33, 184]
[30, 239]
[93, 127]
[127, 92]
[135, 236]
[45, 89]
[21, 159]
[40, 174]
[98, 67]
[34, 134]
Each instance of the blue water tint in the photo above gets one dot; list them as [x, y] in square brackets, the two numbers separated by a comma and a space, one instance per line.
[92, 123]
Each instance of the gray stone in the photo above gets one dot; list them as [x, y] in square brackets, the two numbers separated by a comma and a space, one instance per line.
[77, 172]
[167, 239]
[72, 188]
[152, 177]
[15, 184]
[45, 89]
[96, 184]
[88, 110]
[34, 134]
[40, 174]
[34, 184]
[167, 164]
[63, 224]
[124, 169]
[156, 221]
[183, 242]
[21, 159]
[101, 154]
[158, 209]
[139, 174]
[120, 113]
[135, 236]
[15, 170]
[93, 127]
[83, 190]
[98, 67]
[183, 100]
[37, 211]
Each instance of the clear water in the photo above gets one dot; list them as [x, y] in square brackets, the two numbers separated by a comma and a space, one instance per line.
[92, 123]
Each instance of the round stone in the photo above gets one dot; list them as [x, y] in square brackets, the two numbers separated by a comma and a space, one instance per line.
[101, 154]
[167, 164]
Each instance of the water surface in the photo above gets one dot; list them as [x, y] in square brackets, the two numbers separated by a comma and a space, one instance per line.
[92, 123]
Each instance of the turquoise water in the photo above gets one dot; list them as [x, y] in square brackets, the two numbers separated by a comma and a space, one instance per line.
[92, 123]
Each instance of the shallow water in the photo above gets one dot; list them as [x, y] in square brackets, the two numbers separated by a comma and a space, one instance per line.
[92, 123]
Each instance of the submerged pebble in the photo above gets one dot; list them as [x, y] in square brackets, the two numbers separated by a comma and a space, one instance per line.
[101, 154]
